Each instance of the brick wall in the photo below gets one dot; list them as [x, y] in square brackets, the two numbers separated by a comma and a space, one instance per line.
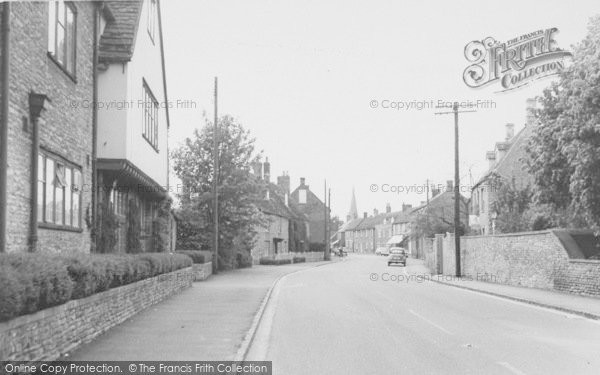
[67, 130]
[47, 334]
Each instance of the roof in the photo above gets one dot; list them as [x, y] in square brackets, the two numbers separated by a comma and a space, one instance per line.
[512, 165]
[118, 39]
[443, 199]
[371, 221]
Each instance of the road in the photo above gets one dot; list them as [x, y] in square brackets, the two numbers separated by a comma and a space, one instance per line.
[353, 317]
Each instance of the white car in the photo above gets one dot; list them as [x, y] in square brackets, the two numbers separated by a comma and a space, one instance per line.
[382, 251]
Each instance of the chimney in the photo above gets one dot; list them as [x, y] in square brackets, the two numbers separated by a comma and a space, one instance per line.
[434, 192]
[510, 131]
[283, 182]
[267, 170]
[365, 215]
[406, 207]
[491, 157]
[348, 218]
[257, 169]
[302, 181]
[501, 150]
[375, 212]
[531, 108]
[388, 208]
[449, 185]
[423, 203]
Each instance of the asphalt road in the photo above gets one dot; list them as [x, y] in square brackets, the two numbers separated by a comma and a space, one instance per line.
[362, 317]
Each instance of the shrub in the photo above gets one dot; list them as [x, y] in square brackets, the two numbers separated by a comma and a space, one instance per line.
[299, 260]
[243, 259]
[11, 293]
[196, 255]
[32, 282]
[274, 262]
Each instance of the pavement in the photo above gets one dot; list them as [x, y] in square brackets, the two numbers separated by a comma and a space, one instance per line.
[360, 316]
[208, 321]
[588, 307]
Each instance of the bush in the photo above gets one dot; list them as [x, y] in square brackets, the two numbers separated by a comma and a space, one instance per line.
[196, 255]
[316, 247]
[274, 262]
[299, 260]
[243, 259]
[32, 282]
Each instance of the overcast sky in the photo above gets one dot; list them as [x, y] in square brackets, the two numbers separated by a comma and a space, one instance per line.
[301, 75]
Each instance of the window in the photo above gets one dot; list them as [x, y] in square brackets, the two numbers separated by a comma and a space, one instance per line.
[59, 192]
[152, 19]
[150, 115]
[302, 196]
[62, 34]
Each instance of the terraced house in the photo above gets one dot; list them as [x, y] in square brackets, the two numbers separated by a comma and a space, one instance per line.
[61, 159]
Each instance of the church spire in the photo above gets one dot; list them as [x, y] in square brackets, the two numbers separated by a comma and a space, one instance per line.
[353, 214]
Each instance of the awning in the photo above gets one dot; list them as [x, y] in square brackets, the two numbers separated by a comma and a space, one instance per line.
[335, 242]
[396, 239]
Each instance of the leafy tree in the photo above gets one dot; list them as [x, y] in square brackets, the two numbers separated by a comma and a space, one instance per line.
[430, 221]
[238, 190]
[564, 152]
[510, 204]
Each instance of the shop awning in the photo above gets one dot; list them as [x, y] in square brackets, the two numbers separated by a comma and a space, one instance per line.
[396, 239]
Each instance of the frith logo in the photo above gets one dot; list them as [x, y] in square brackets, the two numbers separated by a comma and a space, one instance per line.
[514, 63]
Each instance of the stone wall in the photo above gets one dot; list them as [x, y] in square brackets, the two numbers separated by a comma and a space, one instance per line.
[580, 276]
[47, 334]
[531, 259]
[202, 271]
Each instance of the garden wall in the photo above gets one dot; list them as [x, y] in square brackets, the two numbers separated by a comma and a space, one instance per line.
[202, 271]
[47, 334]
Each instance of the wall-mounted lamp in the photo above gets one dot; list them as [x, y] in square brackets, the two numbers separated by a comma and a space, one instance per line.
[36, 104]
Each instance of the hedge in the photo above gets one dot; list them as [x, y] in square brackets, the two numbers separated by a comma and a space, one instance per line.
[299, 259]
[274, 262]
[33, 282]
[196, 255]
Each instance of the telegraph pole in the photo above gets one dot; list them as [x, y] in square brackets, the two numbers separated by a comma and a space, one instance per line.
[216, 184]
[326, 224]
[455, 111]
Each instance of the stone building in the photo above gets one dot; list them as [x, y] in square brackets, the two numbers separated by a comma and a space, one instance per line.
[47, 114]
[63, 156]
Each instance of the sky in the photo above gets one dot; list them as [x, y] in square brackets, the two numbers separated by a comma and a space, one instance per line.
[302, 77]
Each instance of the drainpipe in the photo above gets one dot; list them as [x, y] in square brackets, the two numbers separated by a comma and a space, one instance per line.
[93, 233]
[36, 105]
[4, 76]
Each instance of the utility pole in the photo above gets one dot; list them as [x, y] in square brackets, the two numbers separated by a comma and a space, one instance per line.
[216, 184]
[457, 202]
[326, 224]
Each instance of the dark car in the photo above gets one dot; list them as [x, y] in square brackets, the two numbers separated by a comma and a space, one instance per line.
[397, 256]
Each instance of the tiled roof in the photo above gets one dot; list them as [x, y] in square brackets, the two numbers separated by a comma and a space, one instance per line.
[512, 165]
[118, 39]
[275, 205]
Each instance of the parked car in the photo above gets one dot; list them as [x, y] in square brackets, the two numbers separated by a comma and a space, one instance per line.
[397, 256]
[382, 251]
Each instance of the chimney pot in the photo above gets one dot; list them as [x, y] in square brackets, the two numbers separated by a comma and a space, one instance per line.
[302, 181]
[449, 185]
[267, 170]
[510, 131]
[365, 215]
[388, 208]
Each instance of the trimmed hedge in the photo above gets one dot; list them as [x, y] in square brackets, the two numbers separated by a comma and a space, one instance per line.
[274, 262]
[299, 259]
[196, 255]
[32, 281]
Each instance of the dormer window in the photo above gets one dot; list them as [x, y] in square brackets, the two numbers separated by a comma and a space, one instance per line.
[61, 35]
[152, 6]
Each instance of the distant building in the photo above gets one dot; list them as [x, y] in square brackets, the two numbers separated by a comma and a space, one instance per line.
[286, 227]
[314, 209]
[506, 162]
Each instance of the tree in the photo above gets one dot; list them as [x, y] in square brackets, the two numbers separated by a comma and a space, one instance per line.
[564, 155]
[238, 190]
[432, 220]
[510, 204]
